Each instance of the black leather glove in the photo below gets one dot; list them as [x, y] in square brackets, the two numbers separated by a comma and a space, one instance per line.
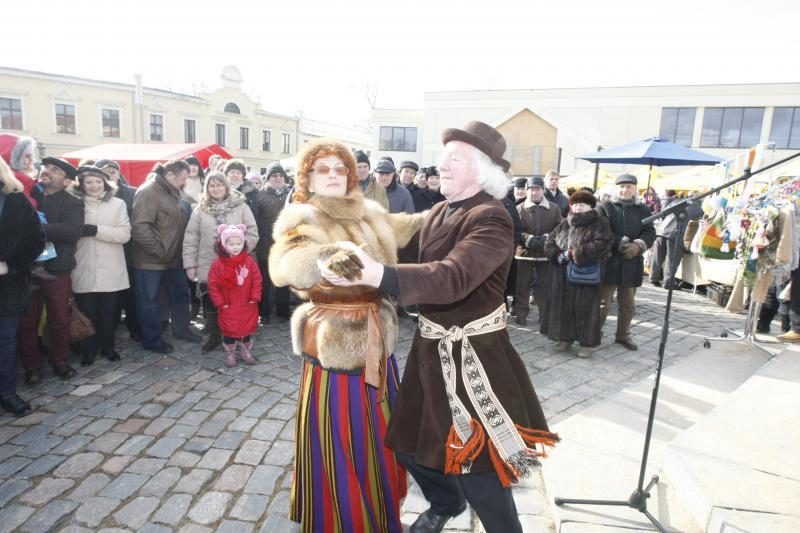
[534, 243]
[89, 230]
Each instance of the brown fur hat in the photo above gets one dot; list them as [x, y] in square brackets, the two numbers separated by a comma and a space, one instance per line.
[583, 197]
[237, 164]
[313, 151]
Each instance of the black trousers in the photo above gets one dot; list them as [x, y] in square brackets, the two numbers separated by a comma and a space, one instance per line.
[272, 296]
[100, 308]
[448, 494]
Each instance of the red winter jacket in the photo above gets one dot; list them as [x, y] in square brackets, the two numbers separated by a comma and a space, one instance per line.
[237, 316]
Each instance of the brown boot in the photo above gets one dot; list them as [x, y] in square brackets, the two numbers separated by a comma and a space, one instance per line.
[789, 336]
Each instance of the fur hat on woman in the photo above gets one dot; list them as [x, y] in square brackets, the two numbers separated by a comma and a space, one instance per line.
[90, 170]
[583, 197]
[313, 151]
[236, 164]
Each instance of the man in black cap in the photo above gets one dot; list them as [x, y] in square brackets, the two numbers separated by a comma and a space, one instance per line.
[625, 267]
[368, 184]
[399, 198]
[539, 217]
[408, 171]
[64, 214]
[520, 190]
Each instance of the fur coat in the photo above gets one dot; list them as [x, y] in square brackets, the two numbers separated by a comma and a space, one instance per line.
[21, 242]
[306, 233]
[574, 312]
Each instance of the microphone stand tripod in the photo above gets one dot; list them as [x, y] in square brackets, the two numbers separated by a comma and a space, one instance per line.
[638, 498]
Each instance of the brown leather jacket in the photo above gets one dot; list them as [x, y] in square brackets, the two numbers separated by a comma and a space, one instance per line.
[537, 221]
[157, 226]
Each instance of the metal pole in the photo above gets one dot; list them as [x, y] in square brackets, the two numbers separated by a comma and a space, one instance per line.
[596, 171]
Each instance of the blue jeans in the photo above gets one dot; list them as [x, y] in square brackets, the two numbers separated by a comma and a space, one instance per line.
[146, 286]
[8, 355]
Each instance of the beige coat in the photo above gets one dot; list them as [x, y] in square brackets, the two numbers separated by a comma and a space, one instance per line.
[199, 241]
[101, 259]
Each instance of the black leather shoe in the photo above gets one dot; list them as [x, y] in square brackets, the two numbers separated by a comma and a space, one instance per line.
[162, 347]
[188, 337]
[33, 376]
[111, 354]
[521, 321]
[430, 522]
[214, 342]
[628, 344]
[16, 406]
[63, 370]
[87, 359]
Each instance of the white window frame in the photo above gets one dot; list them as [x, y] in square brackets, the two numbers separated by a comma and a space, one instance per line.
[163, 126]
[21, 99]
[119, 110]
[74, 104]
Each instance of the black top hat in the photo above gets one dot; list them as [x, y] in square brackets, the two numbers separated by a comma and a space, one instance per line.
[483, 137]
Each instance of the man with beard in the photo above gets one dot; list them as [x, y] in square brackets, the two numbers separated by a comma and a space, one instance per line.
[64, 215]
[157, 227]
[461, 446]
[271, 201]
[399, 198]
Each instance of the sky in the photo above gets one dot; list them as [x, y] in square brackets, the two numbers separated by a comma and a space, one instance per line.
[333, 60]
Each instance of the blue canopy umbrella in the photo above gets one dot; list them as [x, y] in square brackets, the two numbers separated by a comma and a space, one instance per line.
[653, 152]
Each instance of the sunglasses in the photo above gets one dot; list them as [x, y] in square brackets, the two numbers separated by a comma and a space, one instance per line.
[324, 170]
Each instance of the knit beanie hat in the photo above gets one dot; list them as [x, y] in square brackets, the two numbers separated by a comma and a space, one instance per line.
[361, 157]
[236, 164]
[226, 232]
[274, 168]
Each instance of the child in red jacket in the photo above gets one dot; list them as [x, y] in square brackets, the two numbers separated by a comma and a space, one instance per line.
[234, 285]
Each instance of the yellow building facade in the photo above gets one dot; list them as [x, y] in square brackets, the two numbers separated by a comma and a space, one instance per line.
[66, 113]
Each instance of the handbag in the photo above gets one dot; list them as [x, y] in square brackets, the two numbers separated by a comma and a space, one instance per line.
[586, 275]
[80, 327]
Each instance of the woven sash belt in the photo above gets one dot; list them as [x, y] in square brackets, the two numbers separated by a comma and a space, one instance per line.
[508, 446]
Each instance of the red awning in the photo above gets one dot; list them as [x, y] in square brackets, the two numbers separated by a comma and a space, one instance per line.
[137, 160]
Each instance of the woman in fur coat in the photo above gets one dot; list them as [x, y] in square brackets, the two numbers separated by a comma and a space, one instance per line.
[585, 238]
[345, 478]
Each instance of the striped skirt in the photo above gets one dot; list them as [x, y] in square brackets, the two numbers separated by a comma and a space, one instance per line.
[345, 478]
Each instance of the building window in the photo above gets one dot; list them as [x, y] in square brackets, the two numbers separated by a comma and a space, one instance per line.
[786, 128]
[65, 118]
[244, 138]
[11, 113]
[156, 127]
[189, 131]
[110, 123]
[287, 138]
[266, 141]
[232, 108]
[394, 139]
[677, 124]
[219, 130]
[731, 127]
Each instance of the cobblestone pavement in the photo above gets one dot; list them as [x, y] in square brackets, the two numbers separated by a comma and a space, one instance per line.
[182, 443]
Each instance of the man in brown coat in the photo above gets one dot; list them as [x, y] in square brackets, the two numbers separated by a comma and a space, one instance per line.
[539, 217]
[466, 406]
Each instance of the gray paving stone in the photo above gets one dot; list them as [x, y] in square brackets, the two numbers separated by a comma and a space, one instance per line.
[173, 510]
[123, 486]
[280, 504]
[13, 516]
[72, 445]
[7, 433]
[98, 427]
[177, 409]
[42, 446]
[154, 528]
[165, 447]
[209, 404]
[158, 426]
[79, 465]
[41, 466]
[134, 445]
[123, 411]
[90, 486]
[46, 490]
[211, 428]
[147, 466]
[234, 478]
[215, 459]
[194, 481]
[181, 431]
[281, 453]
[116, 464]
[11, 489]
[251, 452]
[198, 444]
[279, 523]
[12, 465]
[107, 442]
[230, 440]
[184, 459]
[135, 514]
[8, 450]
[263, 479]
[235, 526]
[193, 418]
[268, 430]
[49, 516]
[151, 410]
[210, 507]
[161, 482]
[250, 507]
[95, 510]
